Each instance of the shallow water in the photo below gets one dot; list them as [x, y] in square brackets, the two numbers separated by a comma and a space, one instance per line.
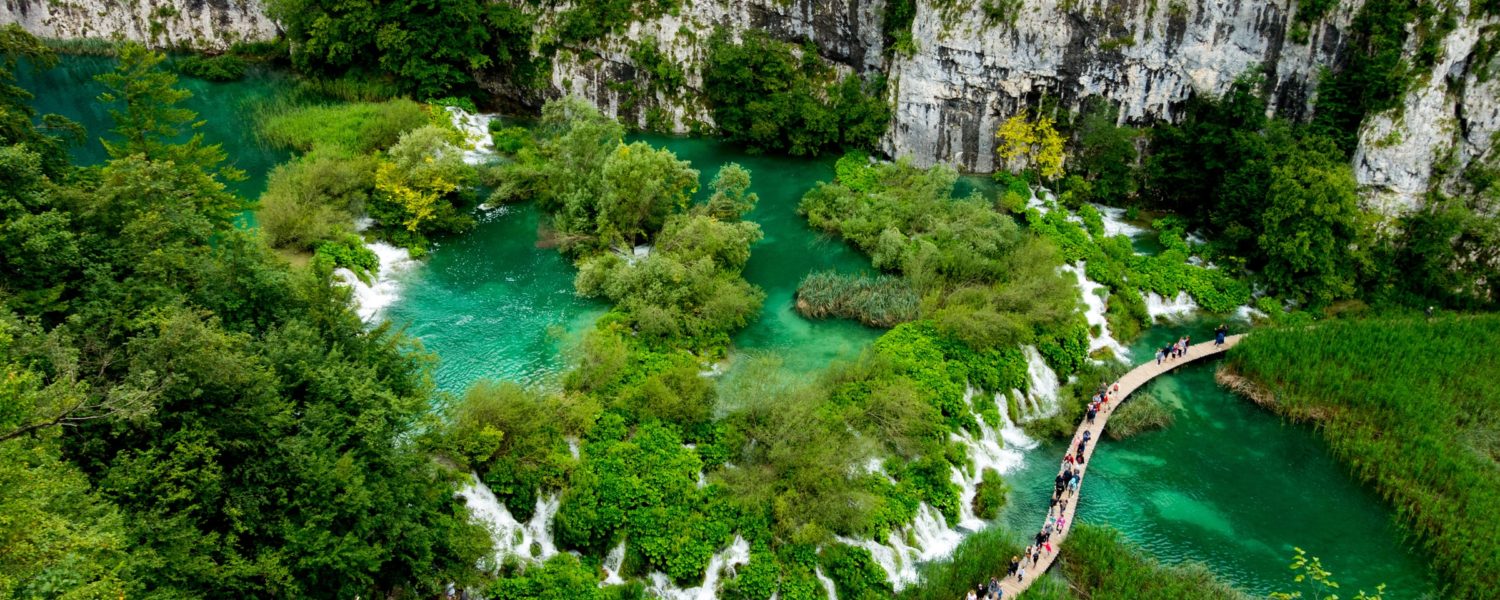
[1230, 485]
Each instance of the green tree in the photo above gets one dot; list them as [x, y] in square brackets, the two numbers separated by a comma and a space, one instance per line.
[642, 186]
[1311, 227]
[50, 140]
[1106, 154]
[431, 49]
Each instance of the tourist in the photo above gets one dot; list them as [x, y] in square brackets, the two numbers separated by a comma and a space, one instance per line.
[1087, 435]
[979, 590]
[1159, 356]
[995, 585]
[1073, 485]
[1093, 410]
[1220, 334]
[972, 596]
[1020, 574]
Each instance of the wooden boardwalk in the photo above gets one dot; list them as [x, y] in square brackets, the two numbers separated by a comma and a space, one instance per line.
[1128, 384]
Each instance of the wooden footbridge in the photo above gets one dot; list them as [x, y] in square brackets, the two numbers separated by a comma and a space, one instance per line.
[1127, 385]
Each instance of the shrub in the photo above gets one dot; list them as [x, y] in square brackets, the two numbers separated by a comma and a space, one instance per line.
[349, 252]
[1142, 412]
[314, 198]
[989, 497]
[225, 67]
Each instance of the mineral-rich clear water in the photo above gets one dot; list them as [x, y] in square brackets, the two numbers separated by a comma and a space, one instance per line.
[1231, 485]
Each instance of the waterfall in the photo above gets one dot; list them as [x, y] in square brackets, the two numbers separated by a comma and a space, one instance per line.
[385, 289]
[987, 450]
[1044, 384]
[612, 564]
[478, 146]
[1180, 305]
[737, 553]
[1095, 307]
[932, 539]
[529, 541]
[1115, 224]
[833, 593]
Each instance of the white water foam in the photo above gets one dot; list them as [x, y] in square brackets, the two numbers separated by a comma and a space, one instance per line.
[612, 564]
[737, 553]
[833, 593]
[931, 537]
[478, 146]
[531, 541]
[1115, 223]
[385, 289]
[1095, 306]
[987, 450]
[1044, 385]
[1178, 306]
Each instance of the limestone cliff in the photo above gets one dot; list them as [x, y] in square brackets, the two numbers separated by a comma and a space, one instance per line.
[973, 64]
[199, 24]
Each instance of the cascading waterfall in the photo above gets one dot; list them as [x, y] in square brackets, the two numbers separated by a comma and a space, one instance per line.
[987, 450]
[1177, 307]
[1095, 305]
[737, 553]
[530, 541]
[479, 147]
[384, 289]
[929, 536]
[1044, 385]
[612, 564]
[1115, 223]
[833, 593]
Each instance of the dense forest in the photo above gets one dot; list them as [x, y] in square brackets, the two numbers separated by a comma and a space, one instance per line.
[192, 408]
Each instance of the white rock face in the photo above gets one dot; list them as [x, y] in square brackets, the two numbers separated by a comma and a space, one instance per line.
[1146, 56]
[966, 74]
[1449, 109]
[200, 24]
[845, 31]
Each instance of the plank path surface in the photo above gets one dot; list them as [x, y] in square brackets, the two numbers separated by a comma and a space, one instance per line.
[1128, 384]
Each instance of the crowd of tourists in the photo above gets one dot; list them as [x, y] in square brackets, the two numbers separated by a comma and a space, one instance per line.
[1069, 477]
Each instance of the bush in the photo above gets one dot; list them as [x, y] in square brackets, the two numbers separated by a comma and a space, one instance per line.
[878, 301]
[422, 187]
[854, 573]
[349, 252]
[989, 498]
[978, 558]
[313, 198]
[225, 67]
[1142, 412]
[1101, 564]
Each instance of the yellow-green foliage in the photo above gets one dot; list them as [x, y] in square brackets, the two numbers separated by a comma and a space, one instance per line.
[1031, 144]
[1412, 406]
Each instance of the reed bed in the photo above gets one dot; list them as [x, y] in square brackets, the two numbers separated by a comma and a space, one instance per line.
[878, 301]
[1413, 407]
[1099, 563]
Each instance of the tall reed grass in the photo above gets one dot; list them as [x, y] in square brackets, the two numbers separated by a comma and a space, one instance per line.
[878, 301]
[1413, 407]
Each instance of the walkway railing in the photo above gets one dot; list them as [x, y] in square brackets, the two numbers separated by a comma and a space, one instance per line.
[1119, 391]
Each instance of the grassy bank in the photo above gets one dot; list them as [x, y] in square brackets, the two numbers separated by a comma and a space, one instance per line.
[1412, 406]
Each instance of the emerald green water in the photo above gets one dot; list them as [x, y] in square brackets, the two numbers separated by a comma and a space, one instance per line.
[493, 305]
[1230, 485]
[226, 109]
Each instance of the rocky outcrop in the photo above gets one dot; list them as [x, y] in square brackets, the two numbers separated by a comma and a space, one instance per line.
[1447, 122]
[969, 72]
[198, 24]
[971, 67]
[846, 32]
